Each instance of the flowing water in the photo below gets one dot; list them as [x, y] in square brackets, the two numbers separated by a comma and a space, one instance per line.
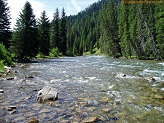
[113, 90]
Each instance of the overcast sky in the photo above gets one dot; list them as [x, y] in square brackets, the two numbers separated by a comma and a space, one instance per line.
[71, 7]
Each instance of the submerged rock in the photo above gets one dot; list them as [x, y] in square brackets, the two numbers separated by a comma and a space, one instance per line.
[91, 120]
[33, 120]
[121, 75]
[10, 78]
[47, 94]
[158, 97]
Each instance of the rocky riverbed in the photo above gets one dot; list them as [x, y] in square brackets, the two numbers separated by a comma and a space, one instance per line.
[90, 89]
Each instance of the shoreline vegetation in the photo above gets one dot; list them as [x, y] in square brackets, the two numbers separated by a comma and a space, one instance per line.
[126, 31]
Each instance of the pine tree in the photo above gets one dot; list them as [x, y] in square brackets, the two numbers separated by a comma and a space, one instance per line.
[43, 32]
[24, 40]
[63, 34]
[159, 25]
[5, 33]
[110, 30]
[54, 31]
[124, 31]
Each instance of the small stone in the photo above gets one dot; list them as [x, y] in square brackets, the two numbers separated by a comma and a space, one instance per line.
[121, 75]
[12, 112]
[91, 109]
[29, 77]
[91, 120]
[1, 91]
[29, 97]
[82, 103]
[158, 97]
[10, 78]
[105, 99]
[45, 111]
[9, 109]
[33, 120]
[106, 110]
[162, 89]
[12, 107]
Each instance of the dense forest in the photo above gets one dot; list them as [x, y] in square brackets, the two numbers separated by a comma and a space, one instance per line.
[107, 27]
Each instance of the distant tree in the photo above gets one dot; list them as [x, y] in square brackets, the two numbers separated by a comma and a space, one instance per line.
[5, 33]
[159, 25]
[109, 27]
[54, 30]
[124, 31]
[24, 40]
[43, 32]
[63, 34]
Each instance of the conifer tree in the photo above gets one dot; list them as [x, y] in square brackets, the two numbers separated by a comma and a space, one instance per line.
[110, 30]
[124, 31]
[63, 34]
[159, 25]
[24, 40]
[43, 32]
[54, 31]
[5, 33]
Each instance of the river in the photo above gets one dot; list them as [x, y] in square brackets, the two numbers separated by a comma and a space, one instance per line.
[112, 90]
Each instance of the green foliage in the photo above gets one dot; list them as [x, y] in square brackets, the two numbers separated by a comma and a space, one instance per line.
[109, 27]
[43, 32]
[24, 39]
[70, 53]
[54, 31]
[83, 30]
[55, 53]
[159, 18]
[62, 44]
[5, 33]
[40, 55]
[5, 57]
[2, 65]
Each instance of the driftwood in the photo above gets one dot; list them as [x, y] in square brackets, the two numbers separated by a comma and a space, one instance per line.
[47, 94]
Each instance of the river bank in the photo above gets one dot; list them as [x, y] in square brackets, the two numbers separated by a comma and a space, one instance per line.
[90, 88]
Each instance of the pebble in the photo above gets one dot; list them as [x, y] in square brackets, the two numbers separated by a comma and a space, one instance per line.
[33, 120]
[162, 89]
[91, 120]
[1, 91]
[158, 97]
[12, 112]
[10, 78]
[45, 111]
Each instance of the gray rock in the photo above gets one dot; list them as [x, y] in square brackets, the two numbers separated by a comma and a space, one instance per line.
[1, 91]
[47, 94]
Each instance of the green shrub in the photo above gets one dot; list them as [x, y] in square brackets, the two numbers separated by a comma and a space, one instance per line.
[5, 56]
[55, 53]
[1, 65]
[40, 55]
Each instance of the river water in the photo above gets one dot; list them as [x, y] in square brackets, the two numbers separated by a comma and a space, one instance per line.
[112, 90]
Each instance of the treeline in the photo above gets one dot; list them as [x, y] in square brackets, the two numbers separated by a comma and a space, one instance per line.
[106, 27]
[116, 29]
[31, 37]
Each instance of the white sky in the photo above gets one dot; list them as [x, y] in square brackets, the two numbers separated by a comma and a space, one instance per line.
[71, 7]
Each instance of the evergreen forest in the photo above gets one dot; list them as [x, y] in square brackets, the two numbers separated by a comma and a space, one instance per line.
[107, 27]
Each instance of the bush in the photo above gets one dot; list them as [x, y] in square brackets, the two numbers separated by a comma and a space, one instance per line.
[5, 57]
[40, 55]
[1, 65]
[55, 53]
[70, 53]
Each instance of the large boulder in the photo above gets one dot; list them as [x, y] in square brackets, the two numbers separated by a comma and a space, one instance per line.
[47, 94]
